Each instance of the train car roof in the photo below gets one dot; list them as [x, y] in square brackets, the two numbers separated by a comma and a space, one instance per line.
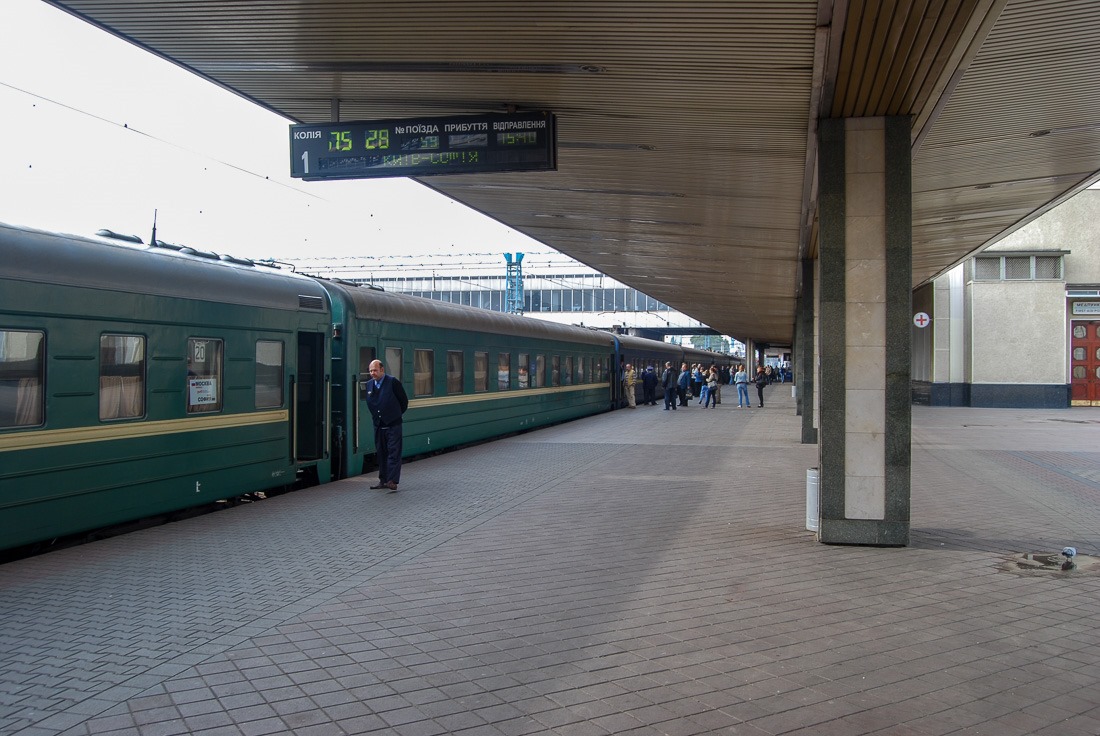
[374, 304]
[38, 256]
[697, 355]
[633, 342]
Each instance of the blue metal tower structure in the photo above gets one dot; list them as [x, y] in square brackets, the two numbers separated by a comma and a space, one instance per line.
[513, 285]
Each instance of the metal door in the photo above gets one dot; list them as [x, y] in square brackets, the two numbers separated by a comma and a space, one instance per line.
[311, 393]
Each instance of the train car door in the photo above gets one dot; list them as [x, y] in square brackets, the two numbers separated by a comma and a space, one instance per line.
[1085, 363]
[363, 425]
[310, 398]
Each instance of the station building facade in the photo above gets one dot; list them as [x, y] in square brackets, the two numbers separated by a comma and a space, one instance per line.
[1018, 325]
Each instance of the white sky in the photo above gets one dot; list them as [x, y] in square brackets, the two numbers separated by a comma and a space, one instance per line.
[95, 133]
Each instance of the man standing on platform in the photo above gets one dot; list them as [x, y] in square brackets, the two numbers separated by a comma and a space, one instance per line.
[649, 387]
[386, 401]
[630, 378]
[668, 381]
[683, 383]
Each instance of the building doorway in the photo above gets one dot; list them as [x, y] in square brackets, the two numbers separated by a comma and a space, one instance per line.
[1085, 363]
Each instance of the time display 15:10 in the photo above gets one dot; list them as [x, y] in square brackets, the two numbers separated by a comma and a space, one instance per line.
[379, 140]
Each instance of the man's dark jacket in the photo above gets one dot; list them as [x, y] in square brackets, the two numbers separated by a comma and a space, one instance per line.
[388, 402]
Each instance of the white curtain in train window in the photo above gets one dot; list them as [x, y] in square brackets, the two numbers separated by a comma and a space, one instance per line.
[121, 376]
[423, 372]
[538, 380]
[393, 363]
[21, 378]
[481, 372]
[455, 372]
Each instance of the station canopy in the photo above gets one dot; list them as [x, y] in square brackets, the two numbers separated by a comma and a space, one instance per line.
[686, 164]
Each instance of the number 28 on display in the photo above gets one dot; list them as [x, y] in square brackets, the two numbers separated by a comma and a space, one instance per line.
[340, 140]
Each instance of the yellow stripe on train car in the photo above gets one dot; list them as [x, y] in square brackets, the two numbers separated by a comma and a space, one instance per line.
[36, 439]
[518, 393]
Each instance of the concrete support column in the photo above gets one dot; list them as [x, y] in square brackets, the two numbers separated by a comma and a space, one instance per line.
[751, 356]
[796, 348]
[804, 354]
[865, 294]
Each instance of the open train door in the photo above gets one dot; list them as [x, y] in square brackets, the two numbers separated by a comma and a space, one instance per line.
[310, 392]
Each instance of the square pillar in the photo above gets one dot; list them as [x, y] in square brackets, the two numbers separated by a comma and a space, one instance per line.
[865, 297]
[804, 354]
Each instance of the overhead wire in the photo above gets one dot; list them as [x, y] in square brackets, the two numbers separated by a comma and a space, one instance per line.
[158, 139]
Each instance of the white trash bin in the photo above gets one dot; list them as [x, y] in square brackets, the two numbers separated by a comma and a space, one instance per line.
[813, 499]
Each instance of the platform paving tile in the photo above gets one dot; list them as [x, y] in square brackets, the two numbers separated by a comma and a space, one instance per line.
[637, 572]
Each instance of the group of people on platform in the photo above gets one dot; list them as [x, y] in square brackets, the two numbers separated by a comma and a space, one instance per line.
[693, 382]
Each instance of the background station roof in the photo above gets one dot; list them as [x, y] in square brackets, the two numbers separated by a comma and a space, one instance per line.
[687, 130]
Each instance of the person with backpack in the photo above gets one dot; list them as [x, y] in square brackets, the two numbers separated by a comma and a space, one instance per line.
[668, 381]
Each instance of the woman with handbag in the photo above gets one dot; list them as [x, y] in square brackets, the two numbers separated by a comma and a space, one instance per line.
[710, 388]
[761, 381]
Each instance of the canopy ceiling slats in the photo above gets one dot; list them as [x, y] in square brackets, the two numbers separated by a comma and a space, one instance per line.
[686, 129]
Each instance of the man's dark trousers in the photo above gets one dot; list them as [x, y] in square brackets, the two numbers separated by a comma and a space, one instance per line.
[387, 445]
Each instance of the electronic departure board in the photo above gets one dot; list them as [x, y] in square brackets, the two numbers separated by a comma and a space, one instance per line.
[464, 144]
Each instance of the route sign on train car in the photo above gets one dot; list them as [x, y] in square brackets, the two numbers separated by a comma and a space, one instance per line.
[461, 144]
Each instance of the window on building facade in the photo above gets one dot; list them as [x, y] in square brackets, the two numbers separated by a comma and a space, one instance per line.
[1008, 267]
[580, 294]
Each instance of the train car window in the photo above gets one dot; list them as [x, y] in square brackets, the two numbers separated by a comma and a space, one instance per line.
[454, 371]
[393, 362]
[567, 374]
[538, 376]
[504, 371]
[481, 372]
[121, 376]
[523, 370]
[22, 375]
[581, 372]
[204, 375]
[555, 370]
[423, 372]
[269, 373]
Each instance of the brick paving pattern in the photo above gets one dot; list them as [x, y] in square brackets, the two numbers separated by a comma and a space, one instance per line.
[641, 572]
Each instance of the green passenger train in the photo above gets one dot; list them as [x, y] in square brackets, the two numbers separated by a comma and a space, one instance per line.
[137, 380]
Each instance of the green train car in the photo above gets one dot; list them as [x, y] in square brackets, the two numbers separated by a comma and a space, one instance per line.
[138, 380]
[470, 374]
